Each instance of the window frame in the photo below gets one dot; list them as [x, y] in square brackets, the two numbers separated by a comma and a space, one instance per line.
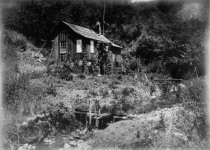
[92, 50]
[63, 39]
[63, 44]
[79, 46]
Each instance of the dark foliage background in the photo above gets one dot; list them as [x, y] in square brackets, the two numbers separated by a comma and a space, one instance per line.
[165, 41]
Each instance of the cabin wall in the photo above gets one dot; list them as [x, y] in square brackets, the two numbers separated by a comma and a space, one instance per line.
[85, 51]
[71, 46]
[71, 54]
[78, 58]
[55, 48]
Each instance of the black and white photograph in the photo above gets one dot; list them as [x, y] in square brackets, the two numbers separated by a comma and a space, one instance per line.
[104, 74]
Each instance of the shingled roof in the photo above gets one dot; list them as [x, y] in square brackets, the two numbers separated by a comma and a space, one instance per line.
[90, 34]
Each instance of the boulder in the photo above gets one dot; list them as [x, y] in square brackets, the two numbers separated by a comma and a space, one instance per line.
[66, 146]
[75, 135]
[73, 143]
[71, 137]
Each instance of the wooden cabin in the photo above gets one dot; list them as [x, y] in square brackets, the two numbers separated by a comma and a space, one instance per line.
[79, 45]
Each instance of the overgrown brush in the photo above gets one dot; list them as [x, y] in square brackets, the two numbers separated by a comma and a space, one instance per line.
[165, 128]
[191, 95]
[194, 99]
[55, 120]
[24, 97]
[62, 119]
[62, 71]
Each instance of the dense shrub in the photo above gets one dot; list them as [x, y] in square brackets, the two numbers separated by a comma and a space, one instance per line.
[26, 96]
[56, 118]
[62, 71]
[81, 76]
[192, 95]
[12, 95]
[61, 118]
[194, 99]
[50, 90]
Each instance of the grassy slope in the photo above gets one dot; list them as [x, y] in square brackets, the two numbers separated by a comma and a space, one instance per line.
[165, 127]
[21, 67]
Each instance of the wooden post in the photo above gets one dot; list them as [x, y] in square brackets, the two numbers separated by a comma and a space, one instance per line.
[196, 72]
[56, 49]
[99, 111]
[97, 122]
[85, 54]
[96, 60]
[90, 115]
[111, 61]
[86, 121]
[58, 61]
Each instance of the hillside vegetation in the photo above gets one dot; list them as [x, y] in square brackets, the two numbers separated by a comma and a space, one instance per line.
[166, 120]
[157, 43]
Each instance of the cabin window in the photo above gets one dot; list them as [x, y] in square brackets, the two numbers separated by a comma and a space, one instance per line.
[63, 44]
[107, 48]
[63, 40]
[91, 47]
[79, 46]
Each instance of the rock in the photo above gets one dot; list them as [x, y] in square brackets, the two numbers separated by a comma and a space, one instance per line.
[52, 142]
[66, 146]
[182, 86]
[71, 137]
[75, 135]
[73, 143]
[25, 146]
[109, 92]
[49, 141]
[84, 146]
[153, 97]
[83, 132]
[80, 141]
[21, 148]
[24, 124]
[77, 130]
[30, 147]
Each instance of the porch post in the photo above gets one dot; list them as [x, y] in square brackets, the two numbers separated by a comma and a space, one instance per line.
[85, 54]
